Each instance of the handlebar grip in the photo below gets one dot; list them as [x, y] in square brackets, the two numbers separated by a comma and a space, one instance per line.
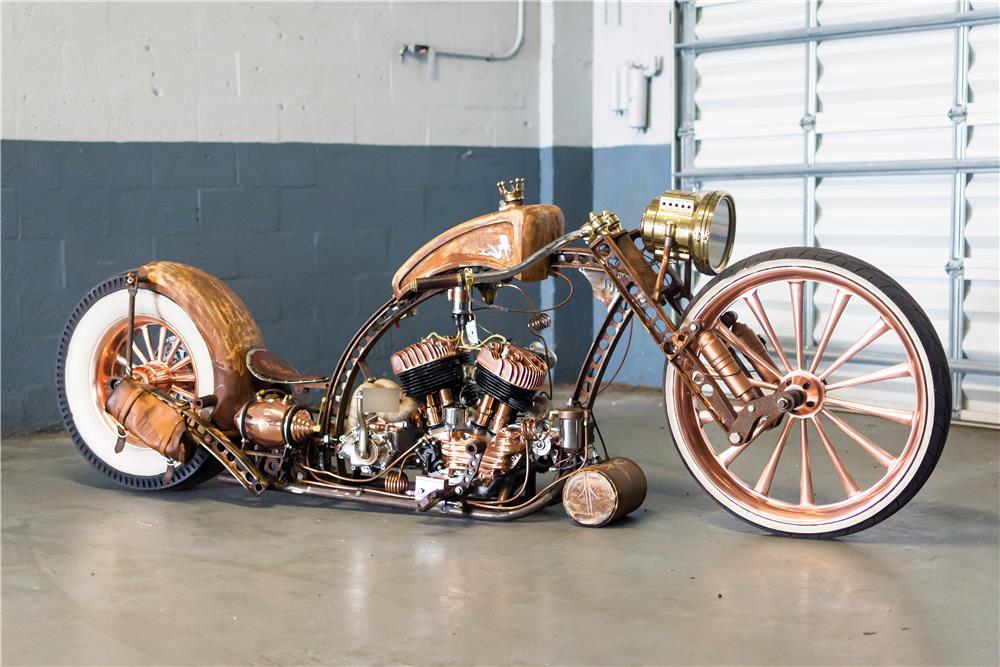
[436, 282]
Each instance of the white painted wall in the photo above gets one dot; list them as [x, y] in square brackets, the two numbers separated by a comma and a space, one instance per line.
[632, 31]
[565, 74]
[318, 72]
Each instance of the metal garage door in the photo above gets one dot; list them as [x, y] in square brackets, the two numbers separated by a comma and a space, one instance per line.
[867, 127]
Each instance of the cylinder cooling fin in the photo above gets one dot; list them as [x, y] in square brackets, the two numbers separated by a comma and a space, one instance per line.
[428, 366]
[510, 374]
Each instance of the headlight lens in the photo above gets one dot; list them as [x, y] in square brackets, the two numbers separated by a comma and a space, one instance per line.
[702, 226]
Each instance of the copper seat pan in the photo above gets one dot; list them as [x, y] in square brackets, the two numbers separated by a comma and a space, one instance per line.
[269, 367]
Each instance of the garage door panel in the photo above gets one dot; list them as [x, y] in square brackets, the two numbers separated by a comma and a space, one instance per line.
[727, 18]
[984, 91]
[832, 12]
[879, 99]
[885, 97]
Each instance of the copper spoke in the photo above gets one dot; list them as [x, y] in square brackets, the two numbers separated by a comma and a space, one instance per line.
[727, 457]
[796, 288]
[180, 364]
[806, 496]
[138, 353]
[736, 343]
[840, 300]
[121, 359]
[149, 344]
[758, 311]
[173, 349]
[161, 346]
[890, 373]
[183, 392]
[904, 417]
[874, 331]
[763, 485]
[884, 458]
[846, 481]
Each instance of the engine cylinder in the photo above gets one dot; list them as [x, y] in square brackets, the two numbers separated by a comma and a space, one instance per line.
[427, 367]
[510, 374]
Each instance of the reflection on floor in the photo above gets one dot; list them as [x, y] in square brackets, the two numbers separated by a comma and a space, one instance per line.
[97, 575]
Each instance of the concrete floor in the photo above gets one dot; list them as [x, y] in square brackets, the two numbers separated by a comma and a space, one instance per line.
[96, 575]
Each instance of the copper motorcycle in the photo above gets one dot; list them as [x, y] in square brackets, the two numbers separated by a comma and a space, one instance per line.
[805, 390]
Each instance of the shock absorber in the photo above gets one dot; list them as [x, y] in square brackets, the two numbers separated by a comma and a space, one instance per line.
[727, 367]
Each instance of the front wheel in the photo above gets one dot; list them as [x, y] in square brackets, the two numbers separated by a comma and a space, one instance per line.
[878, 395]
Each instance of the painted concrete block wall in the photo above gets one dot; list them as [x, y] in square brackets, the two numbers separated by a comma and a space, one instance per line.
[630, 167]
[250, 138]
[283, 147]
[267, 72]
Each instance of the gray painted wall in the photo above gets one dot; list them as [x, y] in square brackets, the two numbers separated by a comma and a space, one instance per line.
[308, 234]
[625, 179]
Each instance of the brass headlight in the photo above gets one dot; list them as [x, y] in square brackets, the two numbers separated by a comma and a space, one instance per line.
[702, 225]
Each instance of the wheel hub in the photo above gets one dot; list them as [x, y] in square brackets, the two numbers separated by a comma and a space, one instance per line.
[155, 373]
[810, 385]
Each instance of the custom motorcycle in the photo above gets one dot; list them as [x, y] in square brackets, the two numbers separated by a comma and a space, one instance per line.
[806, 391]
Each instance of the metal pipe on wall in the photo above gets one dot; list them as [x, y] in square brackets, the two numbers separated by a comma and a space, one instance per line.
[431, 52]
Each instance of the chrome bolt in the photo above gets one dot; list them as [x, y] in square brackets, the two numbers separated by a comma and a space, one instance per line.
[734, 438]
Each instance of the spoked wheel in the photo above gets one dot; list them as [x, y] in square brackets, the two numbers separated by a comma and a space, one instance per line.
[878, 399]
[169, 352]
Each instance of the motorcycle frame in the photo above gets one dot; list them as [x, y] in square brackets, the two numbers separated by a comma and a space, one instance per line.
[623, 278]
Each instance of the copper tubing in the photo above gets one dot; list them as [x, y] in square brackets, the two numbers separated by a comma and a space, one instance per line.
[725, 365]
[750, 339]
[397, 482]
[384, 499]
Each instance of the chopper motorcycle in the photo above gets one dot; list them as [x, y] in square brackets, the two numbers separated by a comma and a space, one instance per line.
[778, 372]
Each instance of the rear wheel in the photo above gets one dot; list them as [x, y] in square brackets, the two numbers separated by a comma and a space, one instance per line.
[878, 398]
[169, 352]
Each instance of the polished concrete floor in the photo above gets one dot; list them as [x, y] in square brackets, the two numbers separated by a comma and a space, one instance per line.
[96, 575]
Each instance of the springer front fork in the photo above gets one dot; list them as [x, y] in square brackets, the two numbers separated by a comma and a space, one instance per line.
[647, 296]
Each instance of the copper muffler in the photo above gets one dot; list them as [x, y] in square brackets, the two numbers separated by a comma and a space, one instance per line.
[149, 420]
[604, 492]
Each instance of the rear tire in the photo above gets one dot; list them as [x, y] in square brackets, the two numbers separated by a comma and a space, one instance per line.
[93, 325]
